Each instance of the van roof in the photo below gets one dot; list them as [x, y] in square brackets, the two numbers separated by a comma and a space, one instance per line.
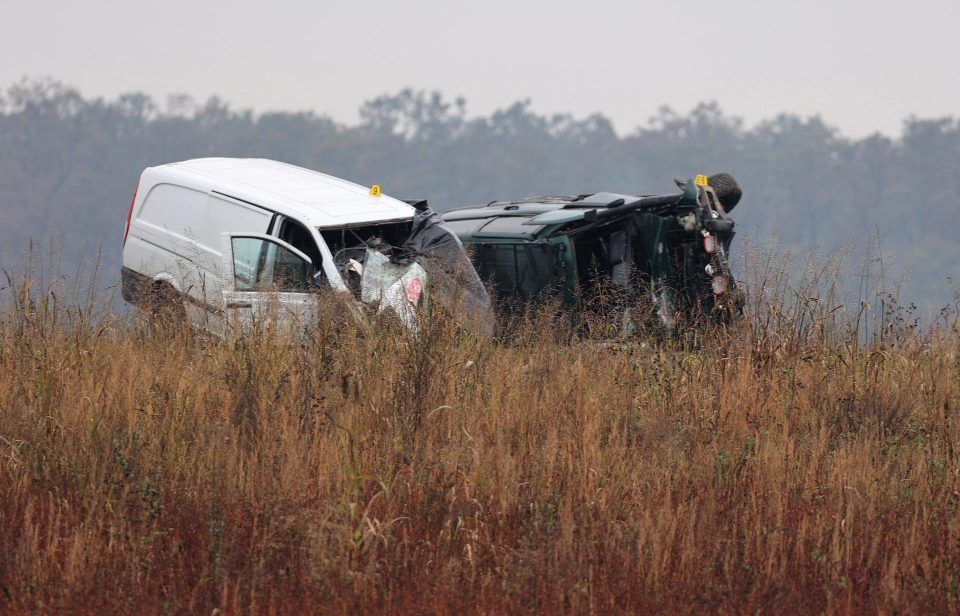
[319, 199]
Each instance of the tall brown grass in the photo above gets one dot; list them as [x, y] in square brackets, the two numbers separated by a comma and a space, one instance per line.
[788, 464]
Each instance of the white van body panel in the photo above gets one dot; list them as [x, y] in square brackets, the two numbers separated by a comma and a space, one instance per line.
[181, 210]
[316, 199]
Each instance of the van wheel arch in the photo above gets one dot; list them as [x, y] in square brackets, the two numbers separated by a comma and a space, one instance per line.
[165, 302]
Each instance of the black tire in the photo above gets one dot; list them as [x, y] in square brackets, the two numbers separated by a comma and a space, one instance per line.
[727, 189]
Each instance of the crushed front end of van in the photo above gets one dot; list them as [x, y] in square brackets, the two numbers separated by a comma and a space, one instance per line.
[429, 265]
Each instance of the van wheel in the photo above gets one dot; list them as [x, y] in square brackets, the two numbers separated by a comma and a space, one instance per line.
[165, 306]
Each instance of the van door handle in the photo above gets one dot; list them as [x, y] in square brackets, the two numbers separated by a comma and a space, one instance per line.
[239, 304]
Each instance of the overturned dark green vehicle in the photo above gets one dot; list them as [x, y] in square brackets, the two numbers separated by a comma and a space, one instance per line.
[669, 251]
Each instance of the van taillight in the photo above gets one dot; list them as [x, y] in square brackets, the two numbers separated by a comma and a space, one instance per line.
[130, 213]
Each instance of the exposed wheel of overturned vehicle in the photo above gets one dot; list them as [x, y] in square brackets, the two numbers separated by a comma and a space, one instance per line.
[727, 189]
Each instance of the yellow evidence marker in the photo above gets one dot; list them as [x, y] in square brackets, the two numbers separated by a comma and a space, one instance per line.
[375, 190]
[700, 180]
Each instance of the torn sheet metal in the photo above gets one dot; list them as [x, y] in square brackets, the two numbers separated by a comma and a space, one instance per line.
[393, 286]
[453, 279]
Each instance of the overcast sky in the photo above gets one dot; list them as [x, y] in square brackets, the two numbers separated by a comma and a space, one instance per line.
[864, 65]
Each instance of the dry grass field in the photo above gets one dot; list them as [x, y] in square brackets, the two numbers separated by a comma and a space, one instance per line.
[799, 462]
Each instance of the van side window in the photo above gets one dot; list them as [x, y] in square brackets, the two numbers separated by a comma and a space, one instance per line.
[297, 236]
[262, 265]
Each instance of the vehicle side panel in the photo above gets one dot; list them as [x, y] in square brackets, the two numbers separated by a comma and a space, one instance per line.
[174, 239]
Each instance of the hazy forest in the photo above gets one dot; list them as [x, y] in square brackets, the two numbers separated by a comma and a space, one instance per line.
[69, 164]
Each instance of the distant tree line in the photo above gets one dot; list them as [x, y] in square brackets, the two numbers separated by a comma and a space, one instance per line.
[69, 164]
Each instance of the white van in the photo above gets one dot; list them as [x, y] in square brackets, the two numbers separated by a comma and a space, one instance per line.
[224, 236]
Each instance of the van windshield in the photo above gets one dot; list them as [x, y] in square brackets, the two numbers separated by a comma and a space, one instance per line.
[388, 234]
[349, 245]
